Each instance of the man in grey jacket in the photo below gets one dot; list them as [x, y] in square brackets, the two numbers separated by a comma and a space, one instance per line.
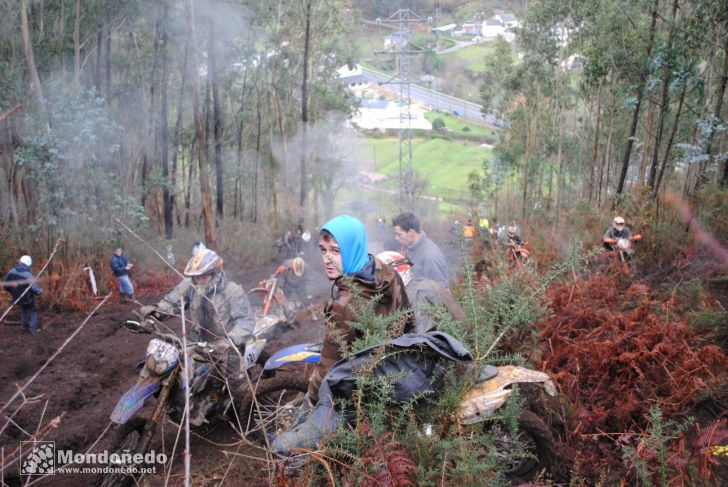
[426, 256]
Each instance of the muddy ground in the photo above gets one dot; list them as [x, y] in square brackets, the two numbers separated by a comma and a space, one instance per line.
[83, 383]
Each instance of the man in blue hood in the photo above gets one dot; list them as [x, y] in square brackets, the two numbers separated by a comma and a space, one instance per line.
[26, 300]
[357, 277]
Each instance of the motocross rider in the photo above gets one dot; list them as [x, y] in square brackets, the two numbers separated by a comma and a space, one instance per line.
[355, 274]
[422, 293]
[219, 312]
[615, 232]
[294, 285]
[513, 236]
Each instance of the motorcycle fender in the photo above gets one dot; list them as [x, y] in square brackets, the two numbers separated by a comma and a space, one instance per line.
[491, 394]
[304, 352]
[134, 398]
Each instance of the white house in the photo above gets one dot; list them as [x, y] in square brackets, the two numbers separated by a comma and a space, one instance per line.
[473, 27]
[351, 76]
[508, 20]
[492, 28]
[396, 40]
[385, 114]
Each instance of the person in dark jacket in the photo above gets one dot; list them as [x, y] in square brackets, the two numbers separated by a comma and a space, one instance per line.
[120, 265]
[615, 232]
[22, 295]
[423, 294]
[355, 273]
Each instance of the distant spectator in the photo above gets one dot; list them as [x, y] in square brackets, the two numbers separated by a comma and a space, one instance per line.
[121, 266]
[469, 230]
[28, 308]
[426, 256]
[288, 242]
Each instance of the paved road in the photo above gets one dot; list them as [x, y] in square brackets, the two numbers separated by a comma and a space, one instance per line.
[439, 101]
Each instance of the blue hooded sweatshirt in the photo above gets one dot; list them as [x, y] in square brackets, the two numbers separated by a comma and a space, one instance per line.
[351, 236]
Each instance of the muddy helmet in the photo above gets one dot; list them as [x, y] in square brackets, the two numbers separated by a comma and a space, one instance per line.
[298, 266]
[618, 222]
[399, 262]
[512, 231]
[202, 262]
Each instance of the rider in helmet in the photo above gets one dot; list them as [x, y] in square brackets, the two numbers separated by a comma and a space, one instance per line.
[218, 311]
[615, 232]
[423, 293]
[294, 283]
[513, 236]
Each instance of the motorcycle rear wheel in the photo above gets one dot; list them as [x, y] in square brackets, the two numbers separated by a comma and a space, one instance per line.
[536, 441]
[278, 400]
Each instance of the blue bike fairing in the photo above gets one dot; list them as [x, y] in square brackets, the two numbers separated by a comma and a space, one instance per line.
[351, 235]
[134, 399]
[303, 352]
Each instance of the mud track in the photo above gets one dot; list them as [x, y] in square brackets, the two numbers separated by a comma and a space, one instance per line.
[84, 382]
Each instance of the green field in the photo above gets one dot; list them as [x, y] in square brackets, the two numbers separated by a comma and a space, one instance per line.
[475, 55]
[457, 124]
[444, 164]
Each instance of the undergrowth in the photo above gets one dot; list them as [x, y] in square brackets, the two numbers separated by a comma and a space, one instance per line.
[422, 442]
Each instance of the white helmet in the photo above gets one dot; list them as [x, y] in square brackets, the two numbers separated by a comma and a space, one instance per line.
[399, 262]
[26, 260]
[618, 222]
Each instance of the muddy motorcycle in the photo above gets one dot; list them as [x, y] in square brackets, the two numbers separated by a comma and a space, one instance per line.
[517, 254]
[524, 457]
[162, 374]
[624, 249]
[271, 304]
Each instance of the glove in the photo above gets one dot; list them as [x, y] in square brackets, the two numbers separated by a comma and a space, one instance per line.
[148, 311]
[281, 269]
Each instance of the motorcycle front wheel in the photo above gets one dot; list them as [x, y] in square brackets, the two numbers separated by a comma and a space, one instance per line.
[126, 438]
[530, 453]
[276, 405]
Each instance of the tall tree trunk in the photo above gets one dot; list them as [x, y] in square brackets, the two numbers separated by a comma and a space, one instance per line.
[239, 208]
[606, 160]
[664, 101]
[77, 46]
[108, 55]
[61, 39]
[560, 164]
[30, 59]
[595, 147]
[671, 139]
[255, 205]
[217, 130]
[209, 219]
[97, 64]
[164, 115]
[188, 187]
[717, 117]
[526, 161]
[304, 111]
[177, 127]
[640, 94]
[647, 140]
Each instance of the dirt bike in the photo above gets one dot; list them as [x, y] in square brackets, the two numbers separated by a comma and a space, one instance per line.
[524, 456]
[162, 375]
[623, 248]
[517, 254]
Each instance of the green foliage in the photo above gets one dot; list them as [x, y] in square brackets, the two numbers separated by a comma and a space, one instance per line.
[438, 124]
